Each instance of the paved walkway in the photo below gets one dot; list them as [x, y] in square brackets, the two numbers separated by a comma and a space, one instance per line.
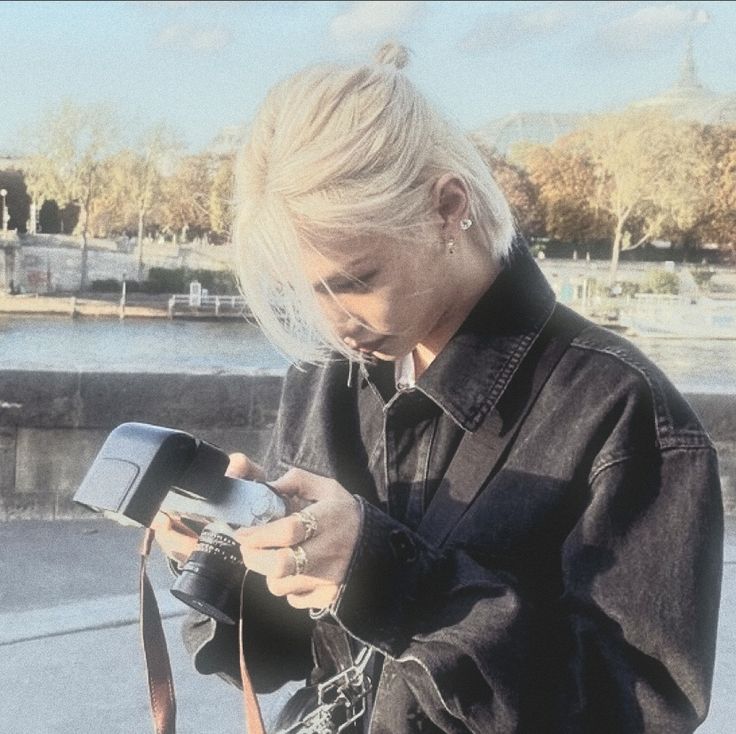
[70, 659]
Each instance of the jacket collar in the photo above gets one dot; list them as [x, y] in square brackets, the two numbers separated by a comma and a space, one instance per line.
[470, 374]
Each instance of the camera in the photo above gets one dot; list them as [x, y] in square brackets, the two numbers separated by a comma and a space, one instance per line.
[142, 468]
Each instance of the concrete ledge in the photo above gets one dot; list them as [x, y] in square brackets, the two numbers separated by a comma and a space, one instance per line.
[65, 619]
[53, 423]
[51, 399]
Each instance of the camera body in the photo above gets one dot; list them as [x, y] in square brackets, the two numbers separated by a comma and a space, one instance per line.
[142, 469]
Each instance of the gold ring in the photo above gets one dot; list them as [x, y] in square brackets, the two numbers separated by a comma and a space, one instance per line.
[309, 521]
[300, 560]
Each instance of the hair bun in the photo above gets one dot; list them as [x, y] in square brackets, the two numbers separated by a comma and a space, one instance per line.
[392, 54]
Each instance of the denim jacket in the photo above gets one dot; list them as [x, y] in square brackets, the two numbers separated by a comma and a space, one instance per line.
[577, 593]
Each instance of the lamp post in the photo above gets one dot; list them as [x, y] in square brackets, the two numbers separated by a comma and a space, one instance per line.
[6, 216]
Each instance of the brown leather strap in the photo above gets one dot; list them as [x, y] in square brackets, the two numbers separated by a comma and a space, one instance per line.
[253, 717]
[158, 667]
[155, 652]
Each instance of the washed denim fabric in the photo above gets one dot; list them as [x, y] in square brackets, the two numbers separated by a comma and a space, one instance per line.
[577, 593]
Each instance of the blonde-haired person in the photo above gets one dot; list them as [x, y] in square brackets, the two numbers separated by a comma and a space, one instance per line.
[510, 508]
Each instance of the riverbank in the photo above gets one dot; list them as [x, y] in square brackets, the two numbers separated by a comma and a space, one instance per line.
[88, 305]
[136, 306]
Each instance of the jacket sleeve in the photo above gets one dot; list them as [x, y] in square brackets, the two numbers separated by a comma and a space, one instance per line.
[627, 646]
[276, 641]
[276, 638]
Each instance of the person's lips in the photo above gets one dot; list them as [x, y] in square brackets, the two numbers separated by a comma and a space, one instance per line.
[364, 345]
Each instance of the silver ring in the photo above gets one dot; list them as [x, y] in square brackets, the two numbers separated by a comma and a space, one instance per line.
[300, 560]
[309, 521]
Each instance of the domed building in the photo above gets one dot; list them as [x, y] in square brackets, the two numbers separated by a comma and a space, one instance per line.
[529, 127]
[687, 99]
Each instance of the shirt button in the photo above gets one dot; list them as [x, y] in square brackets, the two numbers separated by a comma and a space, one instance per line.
[402, 545]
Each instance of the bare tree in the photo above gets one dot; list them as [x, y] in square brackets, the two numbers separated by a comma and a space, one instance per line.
[221, 196]
[156, 150]
[73, 141]
[649, 170]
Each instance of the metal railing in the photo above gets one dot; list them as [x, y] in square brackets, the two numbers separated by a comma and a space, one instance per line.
[180, 304]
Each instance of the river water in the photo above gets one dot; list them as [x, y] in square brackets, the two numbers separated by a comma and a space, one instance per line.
[159, 345]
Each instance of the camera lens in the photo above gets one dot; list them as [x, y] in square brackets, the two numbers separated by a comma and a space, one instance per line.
[211, 578]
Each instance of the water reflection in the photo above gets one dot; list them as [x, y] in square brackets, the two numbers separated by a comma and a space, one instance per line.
[155, 345]
[191, 346]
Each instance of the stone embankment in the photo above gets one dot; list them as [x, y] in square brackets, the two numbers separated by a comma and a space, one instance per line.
[73, 306]
[53, 423]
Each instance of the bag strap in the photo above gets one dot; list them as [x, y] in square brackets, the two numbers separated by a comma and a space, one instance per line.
[158, 667]
[482, 452]
[155, 653]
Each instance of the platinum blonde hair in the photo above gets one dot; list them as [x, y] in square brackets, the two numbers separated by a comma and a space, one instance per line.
[336, 153]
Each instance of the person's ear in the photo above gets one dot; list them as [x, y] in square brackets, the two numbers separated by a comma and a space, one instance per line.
[450, 201]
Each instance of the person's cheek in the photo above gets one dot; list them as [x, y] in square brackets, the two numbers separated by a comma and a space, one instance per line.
[333, 311]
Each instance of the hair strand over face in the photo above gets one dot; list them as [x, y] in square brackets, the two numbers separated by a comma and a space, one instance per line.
[336, 154]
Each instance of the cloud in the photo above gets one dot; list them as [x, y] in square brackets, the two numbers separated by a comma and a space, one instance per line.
[651, 25]
[193, 37]
[367, 21]
[163, 4]
[501, 30]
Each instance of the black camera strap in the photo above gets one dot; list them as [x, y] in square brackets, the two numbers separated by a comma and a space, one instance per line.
[253, 717]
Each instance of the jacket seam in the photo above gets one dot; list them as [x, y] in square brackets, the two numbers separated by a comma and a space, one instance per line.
[662, 417]
[614, 460]
[425, 668]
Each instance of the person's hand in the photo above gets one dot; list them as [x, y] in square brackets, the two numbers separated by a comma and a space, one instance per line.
[178, 540]
[272, 549]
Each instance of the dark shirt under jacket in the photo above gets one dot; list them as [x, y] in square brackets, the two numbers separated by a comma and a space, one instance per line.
[578, 593]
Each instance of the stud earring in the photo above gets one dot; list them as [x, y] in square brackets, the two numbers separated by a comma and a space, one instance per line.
[451, 246]
[466, 224]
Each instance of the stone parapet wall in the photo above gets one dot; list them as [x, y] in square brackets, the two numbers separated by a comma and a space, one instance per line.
[53, 423]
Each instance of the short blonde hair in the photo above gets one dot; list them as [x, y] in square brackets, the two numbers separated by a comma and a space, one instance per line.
[335, 153]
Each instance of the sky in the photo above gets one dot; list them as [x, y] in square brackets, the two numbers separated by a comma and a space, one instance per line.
[205, 66]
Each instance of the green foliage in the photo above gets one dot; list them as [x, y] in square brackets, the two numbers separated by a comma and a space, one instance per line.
[629, 288]
[624, 288]
[106, 285]
[661, 281]
[703, 276]
[162, 280]
[536, 249]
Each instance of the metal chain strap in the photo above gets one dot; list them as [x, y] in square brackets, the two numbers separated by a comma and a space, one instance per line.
[340, 698]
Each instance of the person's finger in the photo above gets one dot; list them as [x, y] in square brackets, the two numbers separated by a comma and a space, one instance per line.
[318, 599]
[175, 545]
[290, 483]
[299, 584]
[307, 486]
[276, 563]
[287, 531]
[163, 522]
[241, 467]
